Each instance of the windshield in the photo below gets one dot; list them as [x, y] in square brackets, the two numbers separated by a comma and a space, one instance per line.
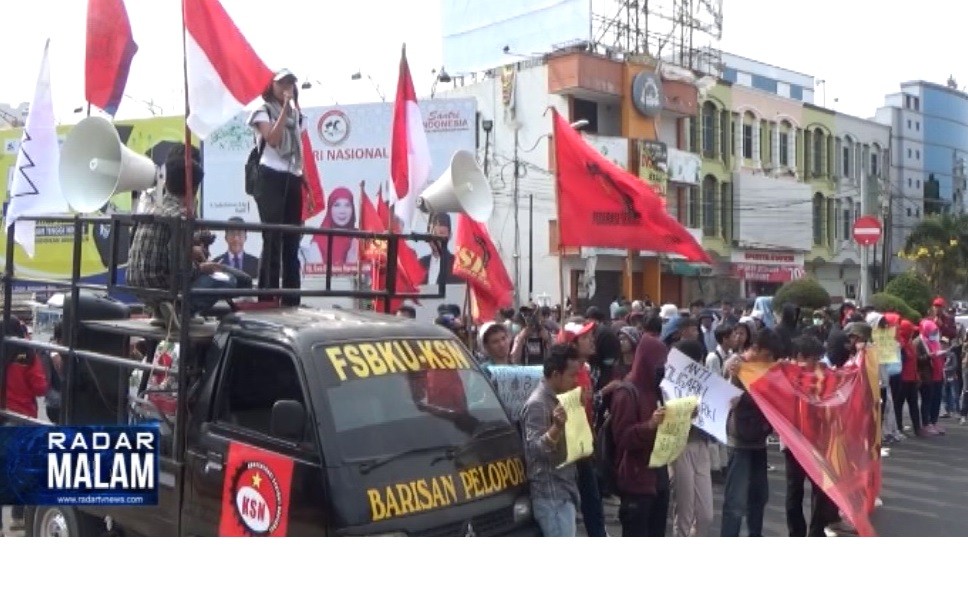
[388, 399]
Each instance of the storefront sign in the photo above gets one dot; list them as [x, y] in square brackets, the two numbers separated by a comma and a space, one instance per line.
[767, 273]
[615, 149]
[684, 167]
[653, 164]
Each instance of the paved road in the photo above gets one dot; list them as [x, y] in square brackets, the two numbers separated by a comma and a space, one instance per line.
[925, 490]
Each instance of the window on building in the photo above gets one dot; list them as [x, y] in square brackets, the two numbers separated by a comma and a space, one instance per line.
[848, 223]
[708, 130]
[818, 141]
[709, 188]
[831, 222]
[909, 212]
[909, 153]
[784, 148]
[917, 154]
[726, 211]
[818, 219]
[910, 183]
[873, 164]
[747, 141]
[917, 212]
[907, 101]
[917, 183]
[732, 138]
[693, 146]
[693, 208]
[917, 104]
[725, 119]
[846, 158]
[917, 126]
[582, 109]
[909, 124]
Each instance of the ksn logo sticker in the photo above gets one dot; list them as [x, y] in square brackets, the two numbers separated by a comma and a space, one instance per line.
[333, 127]
[255, 494]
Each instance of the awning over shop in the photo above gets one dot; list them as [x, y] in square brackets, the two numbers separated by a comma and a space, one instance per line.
[767, 273]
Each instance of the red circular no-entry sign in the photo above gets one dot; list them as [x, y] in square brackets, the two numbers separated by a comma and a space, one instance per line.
[867, 230]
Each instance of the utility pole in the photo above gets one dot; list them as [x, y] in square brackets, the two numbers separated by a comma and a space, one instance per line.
[517, 223]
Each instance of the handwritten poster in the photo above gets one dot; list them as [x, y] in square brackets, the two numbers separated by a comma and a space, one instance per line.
[686, 377]
[673, 433]
[514, 386]
[888, 351]
[578, 435]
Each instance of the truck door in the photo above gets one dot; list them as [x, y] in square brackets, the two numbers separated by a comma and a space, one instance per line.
[255, 468]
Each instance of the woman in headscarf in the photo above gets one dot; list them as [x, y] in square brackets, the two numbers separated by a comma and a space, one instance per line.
[931, 372]
[644, 491]
[340, 215]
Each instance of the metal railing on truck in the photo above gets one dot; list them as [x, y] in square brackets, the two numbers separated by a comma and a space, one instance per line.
[180, 292]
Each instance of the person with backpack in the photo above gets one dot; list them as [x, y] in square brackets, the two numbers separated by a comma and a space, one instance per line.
[747, 485]
[692, 484]
[277, 182]
[635, 415]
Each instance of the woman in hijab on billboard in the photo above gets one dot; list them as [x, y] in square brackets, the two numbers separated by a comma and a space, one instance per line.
[340, 215]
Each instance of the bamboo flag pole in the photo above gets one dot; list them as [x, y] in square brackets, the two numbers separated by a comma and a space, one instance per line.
[189, 195]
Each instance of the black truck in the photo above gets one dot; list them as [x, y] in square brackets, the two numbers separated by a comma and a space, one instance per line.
[286, 421]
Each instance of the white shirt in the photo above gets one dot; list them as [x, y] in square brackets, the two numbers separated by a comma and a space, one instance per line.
[433, 270]
[270, 157]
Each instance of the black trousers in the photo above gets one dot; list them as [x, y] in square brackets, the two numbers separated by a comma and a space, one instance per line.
[279, 198]
[644, 515]
[907, 392]
[823, 511]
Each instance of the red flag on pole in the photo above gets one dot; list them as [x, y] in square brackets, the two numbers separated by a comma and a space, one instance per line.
[602, 205]
[830, 419]
[478, 262]
[313, 180]
[110, 50]
[409, 151]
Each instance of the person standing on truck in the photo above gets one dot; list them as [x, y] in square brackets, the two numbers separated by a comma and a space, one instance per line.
[554, 490]
[151, 259]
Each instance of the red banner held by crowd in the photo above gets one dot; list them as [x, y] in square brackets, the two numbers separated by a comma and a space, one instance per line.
[830, 419]
[602, 205]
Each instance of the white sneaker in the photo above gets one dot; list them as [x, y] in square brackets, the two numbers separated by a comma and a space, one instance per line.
[885, 452]
[878, 502]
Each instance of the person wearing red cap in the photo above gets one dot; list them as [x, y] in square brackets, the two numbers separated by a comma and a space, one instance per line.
[945, 322]
[580, 333]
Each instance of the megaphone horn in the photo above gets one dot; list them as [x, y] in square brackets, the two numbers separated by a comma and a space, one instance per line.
[95, 165]
[463, 188]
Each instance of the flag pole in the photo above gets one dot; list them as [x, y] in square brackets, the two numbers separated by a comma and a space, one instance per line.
[189, 195]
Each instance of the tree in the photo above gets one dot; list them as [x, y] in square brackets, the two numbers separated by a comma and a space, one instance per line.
[938, 248]
[805, 293]
[912, 289]
[883, 302]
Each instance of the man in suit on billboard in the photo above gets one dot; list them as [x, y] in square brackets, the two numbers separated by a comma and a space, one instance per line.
[236, 257]
[439, 264]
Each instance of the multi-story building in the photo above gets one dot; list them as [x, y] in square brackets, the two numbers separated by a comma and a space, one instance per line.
[929, 145]
[515, 147]
[776, 203]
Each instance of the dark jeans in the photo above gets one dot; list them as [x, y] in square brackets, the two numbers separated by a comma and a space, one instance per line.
[592, 511]
[930, 402]
[644, 516]
[279, 198]
[746, 492]
[907, 393]
[823, 511]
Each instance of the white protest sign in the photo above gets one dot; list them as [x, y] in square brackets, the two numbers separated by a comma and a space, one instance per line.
[684, 377]
[515, 384]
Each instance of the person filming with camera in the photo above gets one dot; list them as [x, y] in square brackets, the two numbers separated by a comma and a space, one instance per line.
[151, 259]
[532, 343]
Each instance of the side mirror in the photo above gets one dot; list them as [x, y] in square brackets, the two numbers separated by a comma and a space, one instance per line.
[288, 420]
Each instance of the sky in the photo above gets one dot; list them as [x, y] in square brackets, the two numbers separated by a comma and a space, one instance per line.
[862, 50]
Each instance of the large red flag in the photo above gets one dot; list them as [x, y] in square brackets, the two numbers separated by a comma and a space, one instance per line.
[478, 262]
[830, 421]
[602, 205]
[371, 221]
[110, 50]
[409, 151]
[313, 180]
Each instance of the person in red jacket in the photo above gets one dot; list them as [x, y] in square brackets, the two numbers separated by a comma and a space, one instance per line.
[908, 392]
[945, 322]
[644, 491]
[26, 379]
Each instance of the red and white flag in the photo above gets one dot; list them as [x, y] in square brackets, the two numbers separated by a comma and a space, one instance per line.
[409, 152]
[224, 72]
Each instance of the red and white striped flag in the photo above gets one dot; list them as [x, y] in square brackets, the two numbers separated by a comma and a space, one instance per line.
[409, 152]
[224, 72]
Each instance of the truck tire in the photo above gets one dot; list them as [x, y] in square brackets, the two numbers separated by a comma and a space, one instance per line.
[61, 522]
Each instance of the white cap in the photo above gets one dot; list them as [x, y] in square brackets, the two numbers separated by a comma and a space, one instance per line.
[669, 311]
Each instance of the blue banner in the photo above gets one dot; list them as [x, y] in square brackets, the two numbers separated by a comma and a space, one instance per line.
[79, 465]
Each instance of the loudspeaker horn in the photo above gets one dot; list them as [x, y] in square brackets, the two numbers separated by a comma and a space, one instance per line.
[95, 165]
[463, 188]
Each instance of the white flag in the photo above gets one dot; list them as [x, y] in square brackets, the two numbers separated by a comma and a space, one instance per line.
[36, 187]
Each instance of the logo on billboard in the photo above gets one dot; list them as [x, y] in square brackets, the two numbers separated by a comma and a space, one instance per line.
[647, 94]
[334, 127]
